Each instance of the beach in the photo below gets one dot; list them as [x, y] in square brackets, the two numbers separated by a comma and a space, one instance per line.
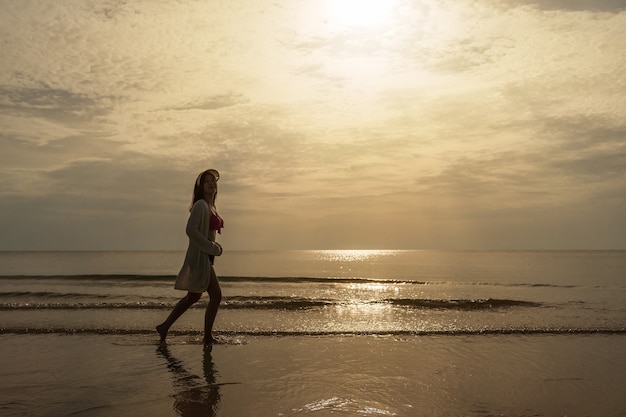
[317, 333]
[131, 375]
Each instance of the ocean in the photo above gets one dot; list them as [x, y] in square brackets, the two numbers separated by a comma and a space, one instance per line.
[317, 332]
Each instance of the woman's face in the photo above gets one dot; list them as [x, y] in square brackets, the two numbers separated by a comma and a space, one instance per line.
[209, 184]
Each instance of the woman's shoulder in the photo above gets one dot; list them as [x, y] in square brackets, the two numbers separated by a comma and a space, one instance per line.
[200, 205]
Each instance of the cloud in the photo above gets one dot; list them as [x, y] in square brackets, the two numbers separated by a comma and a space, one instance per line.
[53, 104]
[574, 5]
[456, 124]
[213, 103]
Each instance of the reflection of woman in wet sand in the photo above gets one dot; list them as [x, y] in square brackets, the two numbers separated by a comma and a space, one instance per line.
[192, 396]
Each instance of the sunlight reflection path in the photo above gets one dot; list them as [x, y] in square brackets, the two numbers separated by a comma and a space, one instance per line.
[353, 255]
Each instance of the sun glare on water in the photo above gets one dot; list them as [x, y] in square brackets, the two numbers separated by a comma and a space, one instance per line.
[350, 255]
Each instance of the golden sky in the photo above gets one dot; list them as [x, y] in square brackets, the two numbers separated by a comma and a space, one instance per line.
[336, 124]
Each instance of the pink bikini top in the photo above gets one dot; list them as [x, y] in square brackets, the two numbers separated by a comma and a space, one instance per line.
[216, 223]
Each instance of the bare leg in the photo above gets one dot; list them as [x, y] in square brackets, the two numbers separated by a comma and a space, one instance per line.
[178, 310]
[215, 298]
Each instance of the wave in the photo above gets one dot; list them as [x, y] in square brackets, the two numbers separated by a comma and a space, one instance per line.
[49, 294]
[489, 303]
[270, 333]
[92, 277]
[169, 279]
[294, 303]
[283, 303]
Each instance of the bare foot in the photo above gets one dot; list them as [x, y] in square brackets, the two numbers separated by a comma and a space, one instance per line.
[210, 341]
[162, 331]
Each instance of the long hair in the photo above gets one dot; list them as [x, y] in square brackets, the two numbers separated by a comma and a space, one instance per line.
[198, 188]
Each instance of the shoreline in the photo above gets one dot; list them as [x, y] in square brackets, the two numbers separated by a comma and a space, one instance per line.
[330, 333]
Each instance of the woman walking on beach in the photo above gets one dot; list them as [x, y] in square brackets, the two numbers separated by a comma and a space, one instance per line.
[197, 274]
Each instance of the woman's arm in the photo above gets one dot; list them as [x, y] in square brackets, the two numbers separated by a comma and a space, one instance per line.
[198, 211]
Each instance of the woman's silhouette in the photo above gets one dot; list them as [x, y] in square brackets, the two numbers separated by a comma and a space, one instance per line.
[197, 274]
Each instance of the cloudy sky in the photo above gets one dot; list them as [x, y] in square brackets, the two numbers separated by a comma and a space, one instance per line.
[336, 124]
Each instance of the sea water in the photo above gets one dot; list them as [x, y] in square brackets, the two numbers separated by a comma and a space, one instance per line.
[324, 333]
[322, 292]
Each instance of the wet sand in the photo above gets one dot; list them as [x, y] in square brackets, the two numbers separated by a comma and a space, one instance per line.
[131, 375]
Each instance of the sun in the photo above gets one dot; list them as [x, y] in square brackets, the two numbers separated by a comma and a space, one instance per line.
[361, 13]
